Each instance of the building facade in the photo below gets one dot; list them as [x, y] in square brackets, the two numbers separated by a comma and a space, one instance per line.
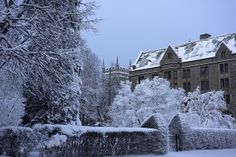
[209, 63]
[116, 71]
[112, 78]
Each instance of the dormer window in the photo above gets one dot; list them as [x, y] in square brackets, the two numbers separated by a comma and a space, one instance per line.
[169, 55]
[223, 54]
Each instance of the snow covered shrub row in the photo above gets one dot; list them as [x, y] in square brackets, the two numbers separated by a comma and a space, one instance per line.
[157, 122]
[17, 141]
[202, 138]
[81, 141]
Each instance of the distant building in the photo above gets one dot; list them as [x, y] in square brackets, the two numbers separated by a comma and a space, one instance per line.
[116, 71]
[112, 77]
[209, 63]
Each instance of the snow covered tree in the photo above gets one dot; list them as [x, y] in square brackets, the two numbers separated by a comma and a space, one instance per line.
[149, 97]
[11, 107]
[91, 88]
[122, 111]
[209, 108]
[39, 43]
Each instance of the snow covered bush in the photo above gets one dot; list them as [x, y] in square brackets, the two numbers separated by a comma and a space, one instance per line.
[131, 108]
[17, 141]
[208, 108]
[209, 138]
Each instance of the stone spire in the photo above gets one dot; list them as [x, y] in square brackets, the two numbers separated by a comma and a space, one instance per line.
[103, 66]
[130, 64]
[117, 62]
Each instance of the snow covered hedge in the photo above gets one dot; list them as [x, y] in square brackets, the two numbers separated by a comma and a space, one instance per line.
[157, 121]
[17, 141]
[192, 138]
[99, 141]
[209, 138]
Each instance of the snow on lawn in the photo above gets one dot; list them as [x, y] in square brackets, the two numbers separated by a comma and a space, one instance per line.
[197, 153]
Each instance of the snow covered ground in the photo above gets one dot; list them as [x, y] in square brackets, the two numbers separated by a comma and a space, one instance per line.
[197, 153]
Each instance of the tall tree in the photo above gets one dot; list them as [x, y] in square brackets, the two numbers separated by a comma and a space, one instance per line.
[91, 76]
[39, 42]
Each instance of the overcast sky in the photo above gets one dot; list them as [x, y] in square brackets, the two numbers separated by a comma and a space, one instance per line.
[131, 26]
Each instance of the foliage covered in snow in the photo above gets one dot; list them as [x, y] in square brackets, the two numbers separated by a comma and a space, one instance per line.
[92, 89]
[17, 141]
[40, 43]
[11, 98]
[149, 97]
[206, 109]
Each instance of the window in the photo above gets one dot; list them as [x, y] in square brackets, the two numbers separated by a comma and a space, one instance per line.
[175, 75]
[175, 85]
[227, 98]
[204, 71]
[154, 75]
[140, 78]
[224, 68]
[186, 73]
[169, 55]
[187, 86]
[223, 54]
[224, 83]
[205, 85]
[167, 75]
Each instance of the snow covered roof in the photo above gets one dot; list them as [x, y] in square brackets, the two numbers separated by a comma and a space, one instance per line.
[192, 51]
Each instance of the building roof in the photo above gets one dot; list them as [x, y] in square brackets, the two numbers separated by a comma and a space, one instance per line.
[191, 51]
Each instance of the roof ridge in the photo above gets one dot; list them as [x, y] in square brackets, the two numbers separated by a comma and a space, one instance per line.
[212, 37]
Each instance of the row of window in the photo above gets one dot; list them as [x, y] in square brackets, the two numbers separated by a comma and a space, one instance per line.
[204, 73]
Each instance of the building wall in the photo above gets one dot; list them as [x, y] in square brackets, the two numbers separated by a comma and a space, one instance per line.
[195, 79]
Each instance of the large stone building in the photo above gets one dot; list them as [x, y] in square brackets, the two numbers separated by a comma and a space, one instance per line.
[209, 63]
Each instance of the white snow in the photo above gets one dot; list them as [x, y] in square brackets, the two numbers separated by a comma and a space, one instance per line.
[198, 153]
[197, 50]
[56, 140]
[74, 130]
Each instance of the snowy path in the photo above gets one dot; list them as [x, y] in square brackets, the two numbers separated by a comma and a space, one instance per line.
[198, 153]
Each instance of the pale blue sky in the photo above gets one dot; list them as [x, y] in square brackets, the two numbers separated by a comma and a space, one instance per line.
[130, 26]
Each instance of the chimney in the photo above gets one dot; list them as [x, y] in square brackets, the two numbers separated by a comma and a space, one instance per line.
[205, 36]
